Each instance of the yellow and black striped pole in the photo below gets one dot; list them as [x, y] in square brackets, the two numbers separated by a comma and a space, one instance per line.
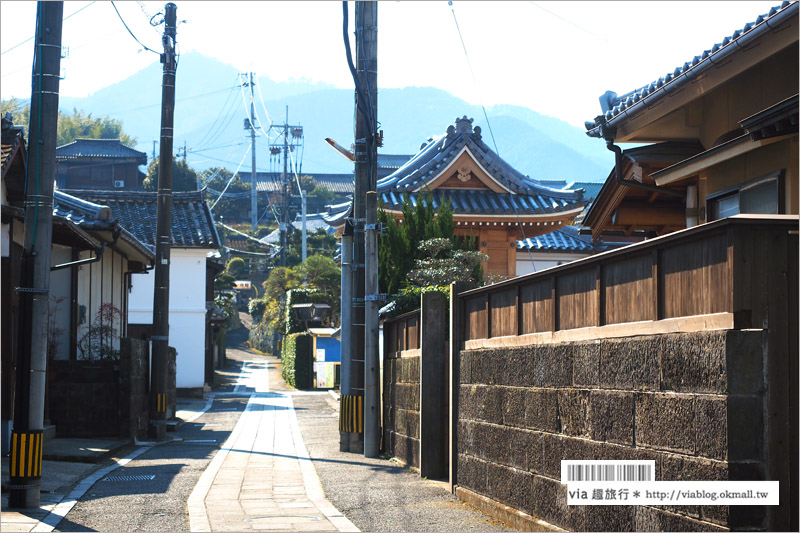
[161, 403]
[351, 414]
[26, 457]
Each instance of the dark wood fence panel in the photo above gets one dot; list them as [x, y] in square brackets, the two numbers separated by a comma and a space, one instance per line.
[503, 308]
[412, 332]
[629, 290]
[683, 274]
[578, 302]
[695, 277]
[536, 300]
[401, 333]
[477, 323]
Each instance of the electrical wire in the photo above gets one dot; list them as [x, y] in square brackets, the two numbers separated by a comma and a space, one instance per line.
[232, 178]
[65, 18]
[474, 79]
[568, 21]
[129, 31]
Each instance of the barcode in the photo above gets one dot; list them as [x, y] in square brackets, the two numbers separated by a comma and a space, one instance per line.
[576, 471]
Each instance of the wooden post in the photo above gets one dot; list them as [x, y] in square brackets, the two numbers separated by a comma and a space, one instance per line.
[432, 382]
[456, 341]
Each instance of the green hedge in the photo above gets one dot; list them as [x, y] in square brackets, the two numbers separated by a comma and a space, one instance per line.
[297, 360]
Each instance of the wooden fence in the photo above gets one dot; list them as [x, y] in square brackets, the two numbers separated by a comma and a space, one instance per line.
[402, 333]
[710, 269]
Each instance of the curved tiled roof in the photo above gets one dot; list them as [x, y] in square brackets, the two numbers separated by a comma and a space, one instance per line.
[192, 223]
[564, 239]
[525, 196]
[616, 107]
[98, 148]
[424, 167]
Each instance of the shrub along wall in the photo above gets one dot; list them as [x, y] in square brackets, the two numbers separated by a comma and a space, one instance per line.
[692, 402]
[401, 406]
[297, 361]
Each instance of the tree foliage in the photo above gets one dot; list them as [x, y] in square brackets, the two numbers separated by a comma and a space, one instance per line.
[399, 248]
[78, 125]
[235, 205]
[184, 177]
[444, 265]
[235, 267]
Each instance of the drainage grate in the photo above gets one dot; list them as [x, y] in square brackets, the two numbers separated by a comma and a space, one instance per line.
[130, 478]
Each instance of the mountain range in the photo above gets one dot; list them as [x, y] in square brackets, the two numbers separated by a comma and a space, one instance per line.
[211, 105]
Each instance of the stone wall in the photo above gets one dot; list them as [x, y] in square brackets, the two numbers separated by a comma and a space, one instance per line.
[691, 402]
[101, 398]
[401, 407]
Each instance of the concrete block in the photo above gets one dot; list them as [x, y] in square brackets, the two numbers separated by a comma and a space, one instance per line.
[745, 428]
[675, 467]
[519, 444]
[745, 361]
[556, 448]
[465, 367]
[491, 409]
[479, 361]
[550, 504]
[553, 365]
[630, 363]
[573, 412]
[514, 406]
[468, 400]
[652, 519]
[610, 517]
[518, 368]
[612, 416]
[541, 410]
[466, 436]
[412, 370]
[586, 366]
[694, 362]
[499, 481]
[711, 427]
[496, 443]
[665, 421]
[472, 473]
[521, 496]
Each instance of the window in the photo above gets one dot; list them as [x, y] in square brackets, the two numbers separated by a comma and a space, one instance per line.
[763, 195]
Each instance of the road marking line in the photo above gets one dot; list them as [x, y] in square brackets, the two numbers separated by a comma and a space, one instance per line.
[239, 379]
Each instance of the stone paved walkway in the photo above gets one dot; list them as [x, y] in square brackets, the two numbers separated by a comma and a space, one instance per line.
[262, 478]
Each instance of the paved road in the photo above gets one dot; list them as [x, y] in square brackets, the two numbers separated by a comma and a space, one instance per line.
[259, 456]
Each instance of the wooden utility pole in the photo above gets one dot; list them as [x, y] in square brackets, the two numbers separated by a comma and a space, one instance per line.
[26, 437]
[284, 222]
[253, 190]
[366, 81]
[160, 338]
[372, 368]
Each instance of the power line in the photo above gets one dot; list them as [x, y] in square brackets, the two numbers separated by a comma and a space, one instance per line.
[450, 3]
[568, 21]
[129, 30]
[31, 38]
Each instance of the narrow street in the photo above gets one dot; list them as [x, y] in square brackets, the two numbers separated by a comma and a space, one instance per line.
[256, 455]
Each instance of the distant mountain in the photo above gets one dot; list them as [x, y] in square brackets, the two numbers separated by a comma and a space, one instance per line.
[211, 107]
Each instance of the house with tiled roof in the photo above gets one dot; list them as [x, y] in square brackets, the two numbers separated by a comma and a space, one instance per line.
[721, 134]
[557, 247]
[99, 164]
[93, 258]
[192, 272]
[490, 199]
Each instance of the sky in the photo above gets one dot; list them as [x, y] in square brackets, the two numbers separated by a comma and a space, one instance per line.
[556, 58]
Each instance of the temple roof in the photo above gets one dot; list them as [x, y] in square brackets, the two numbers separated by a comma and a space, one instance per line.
[460, 167]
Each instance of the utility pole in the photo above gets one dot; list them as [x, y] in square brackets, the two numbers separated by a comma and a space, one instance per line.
[154, 148]
[284, 223]
[305, 230]
[160, 338]
[365, 434]
[251, 125]
[26, 436]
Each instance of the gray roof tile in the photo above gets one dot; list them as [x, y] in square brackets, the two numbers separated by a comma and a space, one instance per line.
[613, 106]
[99, 148]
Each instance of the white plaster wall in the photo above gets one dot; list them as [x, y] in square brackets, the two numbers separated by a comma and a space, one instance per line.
[187, 311]
[542, 261]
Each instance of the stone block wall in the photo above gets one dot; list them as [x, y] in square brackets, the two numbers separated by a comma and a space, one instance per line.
[401, 388]
[691, 402]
